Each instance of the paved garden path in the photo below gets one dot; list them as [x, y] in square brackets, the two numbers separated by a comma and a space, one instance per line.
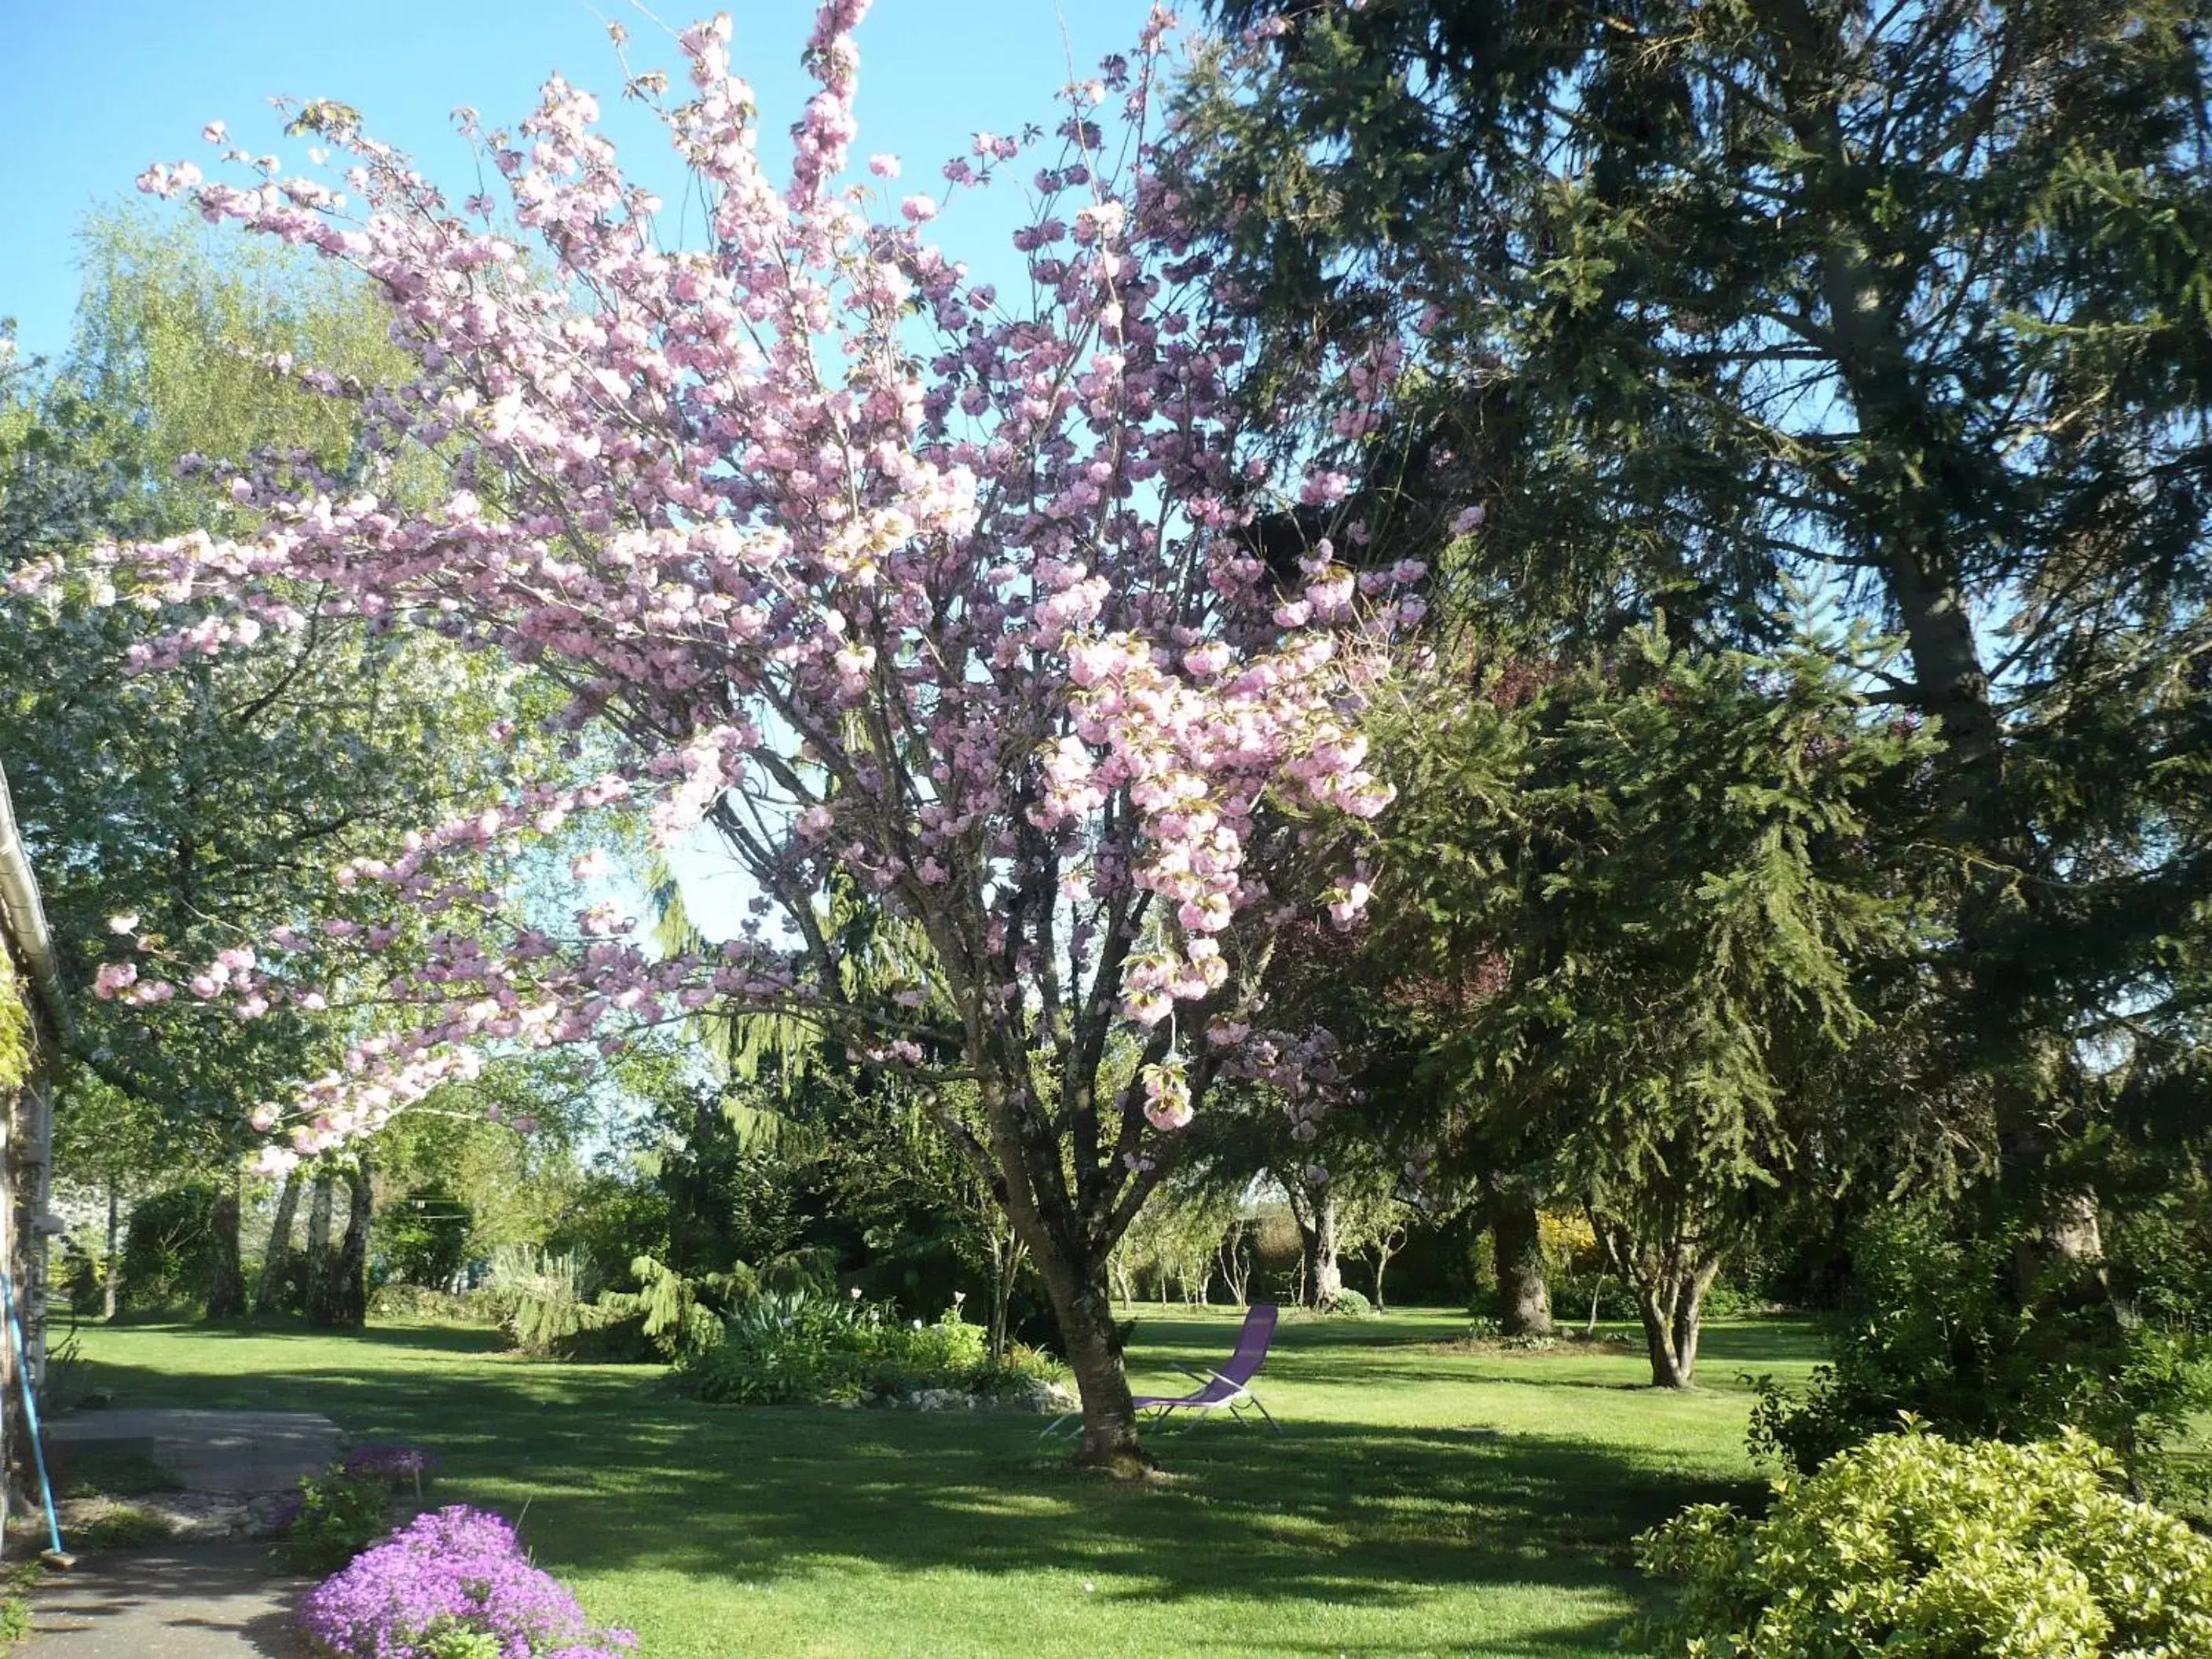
[179, 1601]
[190, 1598]
[202, 1450]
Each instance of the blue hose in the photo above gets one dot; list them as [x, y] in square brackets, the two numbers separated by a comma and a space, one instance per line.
[31, 1409]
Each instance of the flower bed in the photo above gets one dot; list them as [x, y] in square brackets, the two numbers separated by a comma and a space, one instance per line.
[451, 1584]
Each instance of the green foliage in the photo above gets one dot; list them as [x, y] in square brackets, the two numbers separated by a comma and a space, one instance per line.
[14, 1031]
[1745, 314]
[1627, 910]
[17, 1580]
[682, 1315]
[168, 1248]
[217, 802]
[450, 1639]
[340, 1515]
[1348, 1301]
[784, 1347]
[1915, 1546]
[123, 1526]
[607, 1221]
[539, 1299]
[1935, 1327]
[810, 1270]
[417, 1305]
[425, 1235]
[517, 1186]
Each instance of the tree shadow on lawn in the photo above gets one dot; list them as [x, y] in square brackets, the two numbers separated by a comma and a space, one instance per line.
[618, 1475]
[1341, 1516]
[445, 1338]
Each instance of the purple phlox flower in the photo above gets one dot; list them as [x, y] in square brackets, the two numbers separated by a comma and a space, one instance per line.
[457, 1566]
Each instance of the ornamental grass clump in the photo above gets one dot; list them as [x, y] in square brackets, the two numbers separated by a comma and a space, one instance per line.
[449, 1583]
[1916, 1547]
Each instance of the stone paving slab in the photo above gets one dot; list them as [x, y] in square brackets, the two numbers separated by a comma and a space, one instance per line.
[203, 1451]
[180, 1602]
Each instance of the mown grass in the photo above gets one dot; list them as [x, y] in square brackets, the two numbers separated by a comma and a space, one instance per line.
[1422, 1499]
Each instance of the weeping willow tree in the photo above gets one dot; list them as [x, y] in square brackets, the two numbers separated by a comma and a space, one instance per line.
[216, 805]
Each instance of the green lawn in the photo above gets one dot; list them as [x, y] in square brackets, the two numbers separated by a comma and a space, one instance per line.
[1420, 1500]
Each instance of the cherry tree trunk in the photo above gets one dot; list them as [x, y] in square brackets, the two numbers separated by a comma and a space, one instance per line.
[1084, 1310]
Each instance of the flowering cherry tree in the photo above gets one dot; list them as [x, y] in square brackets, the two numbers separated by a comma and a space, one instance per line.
[886, 577]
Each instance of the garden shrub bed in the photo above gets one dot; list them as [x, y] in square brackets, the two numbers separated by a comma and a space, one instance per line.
[807, 1349]
[1912, 1544]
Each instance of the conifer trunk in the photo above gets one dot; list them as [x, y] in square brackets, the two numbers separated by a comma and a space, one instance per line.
[1524, 1295]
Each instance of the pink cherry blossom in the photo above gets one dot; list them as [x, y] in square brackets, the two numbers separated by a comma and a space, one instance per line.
[888, 586]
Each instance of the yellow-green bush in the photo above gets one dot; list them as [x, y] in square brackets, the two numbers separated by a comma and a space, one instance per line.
[1912, 1547]
[15, 1032]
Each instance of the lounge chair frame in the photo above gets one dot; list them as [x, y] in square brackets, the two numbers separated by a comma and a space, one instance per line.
[1218, 1389]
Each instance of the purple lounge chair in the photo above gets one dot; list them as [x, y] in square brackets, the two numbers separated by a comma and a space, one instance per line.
[1231, 1385]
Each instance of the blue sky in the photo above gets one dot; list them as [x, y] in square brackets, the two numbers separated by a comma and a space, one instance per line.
[92, 91]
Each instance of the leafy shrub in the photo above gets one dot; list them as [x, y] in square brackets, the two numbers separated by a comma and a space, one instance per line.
[812, 1270]
[1017, 1376]
[415, 1302]
[1348, 1301]
[426, 1236]
[338, 1514]
[17, 1581]
[118, 1526]
[168, 1249]
[1916, 1546]
[457, 1641]
[1933, 1328]
[452, 1584]
[543, 1301]
[680, 1314]
[793, 1347]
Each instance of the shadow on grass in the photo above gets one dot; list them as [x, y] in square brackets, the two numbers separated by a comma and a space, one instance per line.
[445, 1338]
[619, 1475]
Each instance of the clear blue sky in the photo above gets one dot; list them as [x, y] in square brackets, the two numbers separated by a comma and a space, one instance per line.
[91, 91]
